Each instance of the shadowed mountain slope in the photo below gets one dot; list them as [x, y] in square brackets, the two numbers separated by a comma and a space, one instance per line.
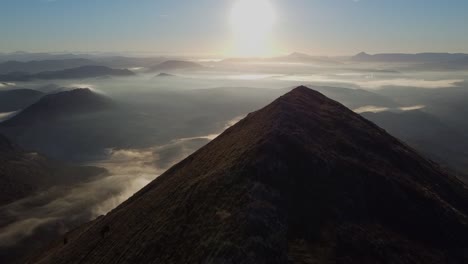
[303, 180]
[61, 104]
[427, 133]
[174, 65]
[62, 124]
[23, 173]
[17, 99]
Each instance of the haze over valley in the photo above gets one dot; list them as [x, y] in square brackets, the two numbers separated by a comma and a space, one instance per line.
[276, 144]
[137, 126]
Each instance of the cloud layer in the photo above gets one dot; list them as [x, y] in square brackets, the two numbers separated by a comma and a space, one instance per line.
[57, 210]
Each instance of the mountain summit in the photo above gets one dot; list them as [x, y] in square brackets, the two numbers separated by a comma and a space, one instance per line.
[61, 104]
[303, 180]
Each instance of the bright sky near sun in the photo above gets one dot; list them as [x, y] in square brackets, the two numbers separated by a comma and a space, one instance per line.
[234, 27]
[252, 22]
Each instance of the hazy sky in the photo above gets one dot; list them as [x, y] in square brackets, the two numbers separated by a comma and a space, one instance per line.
[331, 27]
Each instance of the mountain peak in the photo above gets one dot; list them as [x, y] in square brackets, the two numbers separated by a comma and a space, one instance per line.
[85, 90]
[298, 55]
[299, 107]
[304, 91]
[362, 55]
[72, 98]
[64, 103]
[302, 180]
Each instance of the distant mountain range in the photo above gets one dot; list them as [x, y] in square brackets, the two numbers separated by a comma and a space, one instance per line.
[163, 74]
[22, 56]
[460, 64]
[24, 62]
[293, 57]
[43, 65]
[302, 57]
[73, 73]
[174, 65]
[409, 58]
[50, 59]
[128, 62]
[303, 180]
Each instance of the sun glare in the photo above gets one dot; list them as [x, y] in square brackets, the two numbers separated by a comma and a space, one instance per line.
[252, 22]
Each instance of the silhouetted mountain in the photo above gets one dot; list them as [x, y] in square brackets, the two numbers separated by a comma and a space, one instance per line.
[73, 73]
[454, 65]
[44, 65]
[30, 56]
[66, 124]
[62, 104]
[23, 173]
[14, 100]
[461, 63]
[83, 72]
[129, 62]
[293, 57]
[302, 57]
[298, 55]
[163, 74]
[174, 65]
[303, 180]
[413, 58]
[51, 88]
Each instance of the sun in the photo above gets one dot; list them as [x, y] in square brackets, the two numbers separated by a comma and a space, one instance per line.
[252, 23]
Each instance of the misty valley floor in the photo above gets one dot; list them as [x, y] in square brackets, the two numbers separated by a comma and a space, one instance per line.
[138, 126]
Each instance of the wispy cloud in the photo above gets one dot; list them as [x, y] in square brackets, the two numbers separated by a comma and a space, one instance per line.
[378, 109]
[59, 209]
[6, 115]
[412, 108]
[375, 83]
[6, 84]
[370, 108]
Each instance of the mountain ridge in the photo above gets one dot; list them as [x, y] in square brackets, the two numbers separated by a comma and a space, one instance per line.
[89, 71]
[55, 105]
[174, 65]
[23, 173]
[303, 180]
[407, 57]
[36, 66]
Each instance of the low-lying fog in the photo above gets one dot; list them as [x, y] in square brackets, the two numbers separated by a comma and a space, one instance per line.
[162, 119]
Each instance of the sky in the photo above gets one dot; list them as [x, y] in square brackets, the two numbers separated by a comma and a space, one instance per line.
[319, 27]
